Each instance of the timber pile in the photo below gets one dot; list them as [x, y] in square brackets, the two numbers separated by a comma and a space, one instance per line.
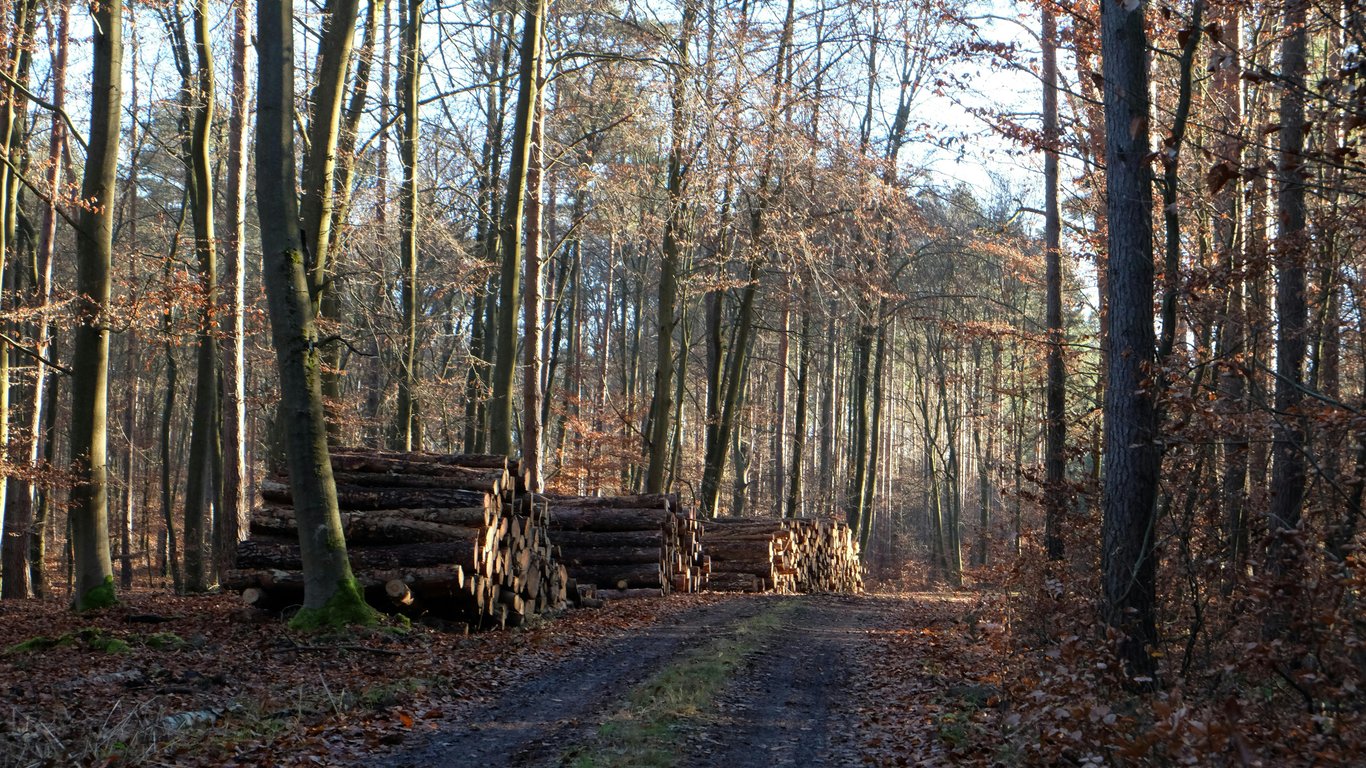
[782, 555]
[427, 534]
[626, 543]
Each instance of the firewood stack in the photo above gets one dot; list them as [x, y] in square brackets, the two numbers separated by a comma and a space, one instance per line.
[782, 555]
[626, 543]
[427, 534]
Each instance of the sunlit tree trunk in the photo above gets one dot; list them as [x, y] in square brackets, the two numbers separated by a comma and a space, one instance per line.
[661, 406]
[198, 84]
[794, 483]
[231, 522]
[408, 429]
[16, 501]
[320, 155]
[510, 233]
[94, 586]
[331, 595]
[531, 306]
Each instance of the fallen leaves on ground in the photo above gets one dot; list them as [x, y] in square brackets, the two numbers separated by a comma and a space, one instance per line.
[199, 681]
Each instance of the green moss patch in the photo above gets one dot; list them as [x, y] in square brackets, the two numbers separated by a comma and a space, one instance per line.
[101, 596]
[346, 608]
[163, 641]
[89, 638]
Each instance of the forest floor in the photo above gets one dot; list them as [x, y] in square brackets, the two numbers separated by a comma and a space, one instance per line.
[690, 680]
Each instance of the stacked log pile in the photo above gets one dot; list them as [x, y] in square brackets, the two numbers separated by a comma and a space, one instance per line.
[636, 545]
[427, 534]
[782, 555]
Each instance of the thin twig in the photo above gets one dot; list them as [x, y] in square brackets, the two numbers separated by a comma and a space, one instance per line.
[33, 353]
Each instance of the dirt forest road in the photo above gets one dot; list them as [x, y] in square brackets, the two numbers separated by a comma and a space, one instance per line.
[749, 682]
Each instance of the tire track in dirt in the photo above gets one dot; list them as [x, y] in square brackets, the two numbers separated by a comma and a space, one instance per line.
[789, 705]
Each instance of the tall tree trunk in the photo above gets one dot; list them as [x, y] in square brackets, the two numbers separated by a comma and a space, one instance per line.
[232, 520]
[42, 506]
[1055, 390]
[661, 408]
[858, 422]
[826, 431]
[1227, 103]
[715, 352]
[794, 484]
[1132, 459]
[16, 503]
[408, 432]
[1288, 464]
[510, 232]
[1171, 176]
[130, 410]
[779, 462]
[198, 83]
[320, 157]
[868, 487]
[343, 174]
[531, 305]
[331, 595]
[94, 576]
[45, 409]
[736, 365]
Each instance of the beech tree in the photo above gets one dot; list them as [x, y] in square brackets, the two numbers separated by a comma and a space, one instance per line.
[94, 586]
[331, 595]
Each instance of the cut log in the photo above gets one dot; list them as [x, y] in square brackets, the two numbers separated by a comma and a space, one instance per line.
[620, 577]
[399, 593]
[626, 594]
[612, 519]
[256, 553]
[398, 464]
[572, 556]
[639, 501]
[350, 497]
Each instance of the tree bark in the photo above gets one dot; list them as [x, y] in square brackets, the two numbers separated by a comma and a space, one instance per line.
[232, 520]
[331, 595]
[320, 158]
[1228, 242]
[1055, 390]
[531, 306]
[736, 365]
[794, 483]
[661, 408]
[1289, 434]
[94, 585]
[510, 232]
[1132, 457]
[408, 430]
[16, 501]
[197, 82]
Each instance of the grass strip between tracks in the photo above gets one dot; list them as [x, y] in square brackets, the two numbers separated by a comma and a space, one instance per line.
[646, 732]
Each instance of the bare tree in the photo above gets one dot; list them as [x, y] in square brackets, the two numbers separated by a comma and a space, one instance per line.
[94, 587]
[331, 594]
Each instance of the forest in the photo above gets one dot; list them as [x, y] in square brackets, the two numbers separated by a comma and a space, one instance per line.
[1045, 312]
